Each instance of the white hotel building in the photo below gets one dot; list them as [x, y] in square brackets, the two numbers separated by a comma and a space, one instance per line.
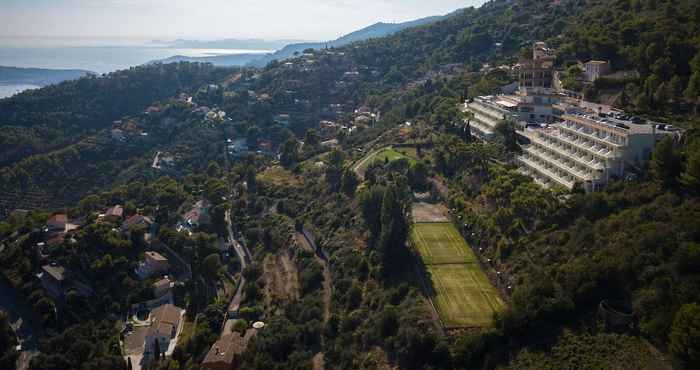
[488, 111]
[586, 147]
[584, 143]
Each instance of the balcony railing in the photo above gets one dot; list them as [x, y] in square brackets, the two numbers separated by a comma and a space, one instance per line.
[481, 128]
[546, 172]
[561, 150]
[582, 131]
[567, 138]
[483, 108]
[568, 168]
[488, 121]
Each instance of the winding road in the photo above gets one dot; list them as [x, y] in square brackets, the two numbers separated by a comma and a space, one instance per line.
[244, 257]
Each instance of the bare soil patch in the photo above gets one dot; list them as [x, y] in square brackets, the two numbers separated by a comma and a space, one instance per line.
[281, 279]
[427, 212]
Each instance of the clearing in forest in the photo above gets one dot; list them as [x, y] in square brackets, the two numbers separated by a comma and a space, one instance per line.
[281, 279]
[428, 212]
[386, 154]
[461, 292]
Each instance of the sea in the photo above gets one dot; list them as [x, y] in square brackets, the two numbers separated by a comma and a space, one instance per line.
[98, 55]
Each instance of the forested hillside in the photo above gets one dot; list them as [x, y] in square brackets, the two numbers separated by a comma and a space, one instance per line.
[606, 280]
[656, 40]
[58, 115]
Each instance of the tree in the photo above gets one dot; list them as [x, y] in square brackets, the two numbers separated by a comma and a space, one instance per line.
[665, 162]
[211, 266]
[684, 339]
[349, 182]
[394, 232]
[690, 178]
[311, 141]
[252, 136]
[334, 169]
[418, 176]
[239, 326]
[371, 204]
[251, 181]
[505, 132]
[213, 169]
[289, 153]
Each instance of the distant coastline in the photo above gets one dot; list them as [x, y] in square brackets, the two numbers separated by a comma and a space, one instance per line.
[14, 80]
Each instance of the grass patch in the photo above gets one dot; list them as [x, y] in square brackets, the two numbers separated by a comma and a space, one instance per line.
[462, 294]
[387, 154]
[276, 175]
[440, 243]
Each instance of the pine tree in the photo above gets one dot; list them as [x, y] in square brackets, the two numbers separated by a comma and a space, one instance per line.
[665, 163]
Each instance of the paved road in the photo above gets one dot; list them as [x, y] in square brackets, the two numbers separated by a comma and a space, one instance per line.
[243, 256]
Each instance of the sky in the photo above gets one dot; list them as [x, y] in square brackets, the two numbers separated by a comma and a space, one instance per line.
[210, 19]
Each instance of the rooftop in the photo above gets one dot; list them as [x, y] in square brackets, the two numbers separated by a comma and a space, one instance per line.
[58, 273]
[156, 256]
[58, 219]
[117, 211]
[227, 347]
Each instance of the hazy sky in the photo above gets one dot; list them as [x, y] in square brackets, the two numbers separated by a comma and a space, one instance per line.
[208, 19]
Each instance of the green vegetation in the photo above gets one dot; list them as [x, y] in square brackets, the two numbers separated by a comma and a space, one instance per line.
[462, 294]
[440, 243]
[358, 302]
[8, 341]
[385, 155]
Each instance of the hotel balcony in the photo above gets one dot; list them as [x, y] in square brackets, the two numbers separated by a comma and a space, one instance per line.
[486, 120]
[484, 109]
[480, 129]
[544, 175]
[581, 157]
[555, 134]
[568, 167]
[580, 130]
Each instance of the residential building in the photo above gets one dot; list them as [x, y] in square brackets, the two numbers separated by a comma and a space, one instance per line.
[225, 354]
[595, 69]
[165, 324]
[57, 223]
[154, 263]
[136, 220]
[54, 280]
[586, 146]
[198, 215]
[162, 287]
[114, 214]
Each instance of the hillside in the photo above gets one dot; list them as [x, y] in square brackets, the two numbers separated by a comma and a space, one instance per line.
[605, 280]
[376, 30]
[37, 76]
